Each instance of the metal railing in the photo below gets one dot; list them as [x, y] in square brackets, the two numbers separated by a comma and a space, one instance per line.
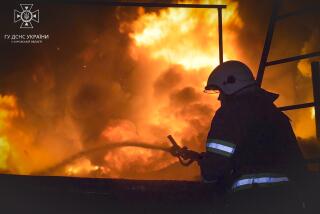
[275, 17]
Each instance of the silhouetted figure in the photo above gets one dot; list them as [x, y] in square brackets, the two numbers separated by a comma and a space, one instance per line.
[252, 151]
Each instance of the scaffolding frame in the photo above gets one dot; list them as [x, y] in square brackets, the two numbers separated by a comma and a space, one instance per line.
[275, 17]
[218, 7]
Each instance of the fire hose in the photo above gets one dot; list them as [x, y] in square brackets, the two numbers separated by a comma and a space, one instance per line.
[184, 155]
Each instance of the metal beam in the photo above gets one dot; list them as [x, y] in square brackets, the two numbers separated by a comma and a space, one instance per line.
[315, 66]
[294, 58]
[162, 5]
[140, 4]
[297, 106]
[267, 43]
[299, 12]
[220, 35]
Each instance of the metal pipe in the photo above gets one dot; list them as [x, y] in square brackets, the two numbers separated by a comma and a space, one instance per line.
[220, 35]
[315, 67]
[162, 5]
[140, 4]
[267, 43]
[299, 12]
[294, 107]
[294, 58]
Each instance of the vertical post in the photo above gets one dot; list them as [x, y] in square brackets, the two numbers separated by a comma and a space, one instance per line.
[220, 35]
[267, 43]
[315, 66]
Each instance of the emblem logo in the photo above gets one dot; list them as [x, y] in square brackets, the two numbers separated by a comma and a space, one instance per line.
[26, 16]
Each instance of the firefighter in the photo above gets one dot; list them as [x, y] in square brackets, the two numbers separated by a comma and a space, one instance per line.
[251, 149]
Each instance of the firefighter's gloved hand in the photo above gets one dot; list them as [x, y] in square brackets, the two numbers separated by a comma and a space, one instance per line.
[187, 154]
[184, 153]
[175, 151]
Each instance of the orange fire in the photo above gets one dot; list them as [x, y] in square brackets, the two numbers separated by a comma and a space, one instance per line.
[176, 49]
[186, 37]
[8, 111]
[20, 153]
[173, 50]
[81, 167]
[182, 42]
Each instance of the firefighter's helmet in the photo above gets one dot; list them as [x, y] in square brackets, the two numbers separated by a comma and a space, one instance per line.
[230, 77]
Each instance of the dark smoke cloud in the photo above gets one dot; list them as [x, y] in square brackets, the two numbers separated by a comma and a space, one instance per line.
[167, 81]
[185, 96]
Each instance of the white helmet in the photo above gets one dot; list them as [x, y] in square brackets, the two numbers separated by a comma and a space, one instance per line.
[230, 77]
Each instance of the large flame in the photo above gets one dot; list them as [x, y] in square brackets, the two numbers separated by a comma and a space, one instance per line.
[8, 111]
[171, 52]
[176, 49]
[174, 43]
[186, 37]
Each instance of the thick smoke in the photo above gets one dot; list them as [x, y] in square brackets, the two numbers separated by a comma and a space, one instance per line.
[70, 86]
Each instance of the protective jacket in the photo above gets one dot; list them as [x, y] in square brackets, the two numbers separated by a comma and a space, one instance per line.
[250, 135]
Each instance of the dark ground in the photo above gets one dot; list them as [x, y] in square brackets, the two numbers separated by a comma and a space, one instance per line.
[26, 194]
[29, 194]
